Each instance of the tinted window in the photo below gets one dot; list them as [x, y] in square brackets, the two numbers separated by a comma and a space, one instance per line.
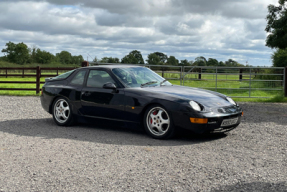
[98, 78]
[64, 75]
[79, 78]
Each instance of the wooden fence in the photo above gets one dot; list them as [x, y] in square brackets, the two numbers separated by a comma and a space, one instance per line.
[37, 76]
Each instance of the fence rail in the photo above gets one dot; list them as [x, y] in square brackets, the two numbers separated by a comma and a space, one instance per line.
[37, 74]
[227, 80]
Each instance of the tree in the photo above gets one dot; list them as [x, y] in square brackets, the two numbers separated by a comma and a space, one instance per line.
[43, 57]
[212, 62]
[110, 60]
[153, 59]
[184, 63]
[77, 59]
[221, 64]
[64, 57]
[200, 61]
[134, 57]
[172, 60]
[279, 58]
[17, 53]
[163, 57]
[277, 25]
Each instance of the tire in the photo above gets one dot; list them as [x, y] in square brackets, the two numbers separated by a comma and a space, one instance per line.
[62, 113]
[158, 123]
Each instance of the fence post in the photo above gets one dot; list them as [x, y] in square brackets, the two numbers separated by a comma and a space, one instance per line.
[216, 80]
[200, 71]
[57, 71]
[240, 74]
[6, 72]
[285, 82]
[180, 75]
[250, 83]
[38, 76]
[162, 73]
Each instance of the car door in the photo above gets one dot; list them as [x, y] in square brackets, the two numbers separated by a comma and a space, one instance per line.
[99, 102]
[73, 89]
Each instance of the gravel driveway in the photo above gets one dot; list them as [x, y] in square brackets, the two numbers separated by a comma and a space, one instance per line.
[37, 155]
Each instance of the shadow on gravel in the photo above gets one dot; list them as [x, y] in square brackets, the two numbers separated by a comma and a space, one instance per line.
[100, 133]
[255, 186]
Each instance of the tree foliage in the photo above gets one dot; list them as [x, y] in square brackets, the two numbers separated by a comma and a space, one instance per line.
[110, 60]
[20, 53]
[200, 61]
[279, 58]
[184, 62]
[153, 59]
[212, 62]
[17, 53]
[172, 60]
[277, 25]
[134, 57]
[43, 57]
[64, 57]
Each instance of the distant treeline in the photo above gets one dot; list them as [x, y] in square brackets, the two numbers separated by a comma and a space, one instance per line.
[21, 54]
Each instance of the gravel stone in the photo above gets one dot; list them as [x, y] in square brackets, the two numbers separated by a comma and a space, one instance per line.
[38, 155]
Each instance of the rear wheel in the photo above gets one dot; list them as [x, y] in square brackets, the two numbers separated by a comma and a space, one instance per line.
[158, 123]
[62, 114]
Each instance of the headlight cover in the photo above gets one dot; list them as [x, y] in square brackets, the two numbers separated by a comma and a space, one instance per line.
[195, 106]
[230, 100]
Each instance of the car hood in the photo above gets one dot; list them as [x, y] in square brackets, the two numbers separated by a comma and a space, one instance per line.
[204, 97]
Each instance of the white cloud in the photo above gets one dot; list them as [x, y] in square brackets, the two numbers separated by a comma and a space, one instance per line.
[221, 29]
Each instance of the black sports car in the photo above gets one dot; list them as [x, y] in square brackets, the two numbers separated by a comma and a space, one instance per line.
[137, 95]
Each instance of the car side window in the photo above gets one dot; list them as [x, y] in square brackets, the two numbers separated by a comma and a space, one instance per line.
[79, 78]
[98, 78]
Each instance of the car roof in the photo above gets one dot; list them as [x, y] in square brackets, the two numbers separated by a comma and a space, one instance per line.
[111, 66]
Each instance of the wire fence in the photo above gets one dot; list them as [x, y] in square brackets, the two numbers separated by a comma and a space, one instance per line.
[242, 82]
[250, 82]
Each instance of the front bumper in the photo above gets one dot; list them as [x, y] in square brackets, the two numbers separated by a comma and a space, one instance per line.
[214, 123]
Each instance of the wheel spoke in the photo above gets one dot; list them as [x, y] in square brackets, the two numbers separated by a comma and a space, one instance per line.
[64, 115]
[160, 113]
[66, 108]
[164, 121]
[62, 104]
[159, 128]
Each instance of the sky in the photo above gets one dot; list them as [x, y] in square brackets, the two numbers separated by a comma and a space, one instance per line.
[186, 29]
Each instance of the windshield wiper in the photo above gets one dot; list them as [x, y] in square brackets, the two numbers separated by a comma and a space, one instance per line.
[148, 83]
[162, 82]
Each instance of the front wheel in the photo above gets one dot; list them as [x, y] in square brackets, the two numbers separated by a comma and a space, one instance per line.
[62, 113]
[158, 123]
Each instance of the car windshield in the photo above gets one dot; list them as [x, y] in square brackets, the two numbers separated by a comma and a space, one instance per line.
[139, 77]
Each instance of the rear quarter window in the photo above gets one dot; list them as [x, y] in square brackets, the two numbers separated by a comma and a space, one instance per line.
[64, 75]
[79, 78]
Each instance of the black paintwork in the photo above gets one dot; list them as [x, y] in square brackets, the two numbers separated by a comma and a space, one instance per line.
[129, 104]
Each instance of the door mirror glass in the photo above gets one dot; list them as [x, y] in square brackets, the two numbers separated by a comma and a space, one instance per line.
[109, 86]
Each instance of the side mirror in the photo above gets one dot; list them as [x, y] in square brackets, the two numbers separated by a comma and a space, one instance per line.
[109, 86]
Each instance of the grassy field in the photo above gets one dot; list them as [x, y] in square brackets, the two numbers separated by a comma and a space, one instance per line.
[226, 84]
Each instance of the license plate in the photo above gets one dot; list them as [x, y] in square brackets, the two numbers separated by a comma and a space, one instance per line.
[228, 122]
